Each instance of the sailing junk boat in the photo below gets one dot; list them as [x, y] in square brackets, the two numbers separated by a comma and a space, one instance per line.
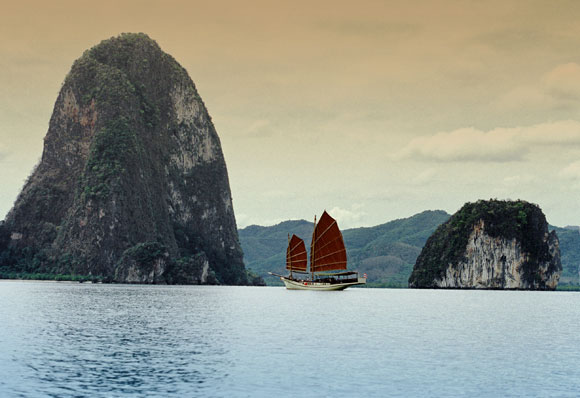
[327, 256]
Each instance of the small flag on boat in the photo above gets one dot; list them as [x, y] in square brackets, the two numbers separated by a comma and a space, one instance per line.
[364, 275]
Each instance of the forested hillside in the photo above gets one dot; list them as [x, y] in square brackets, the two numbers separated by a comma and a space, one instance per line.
[386, 252]
[570, 251]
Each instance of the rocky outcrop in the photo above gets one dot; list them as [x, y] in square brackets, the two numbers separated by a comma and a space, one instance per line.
[491, 245]
[132, 184]
[495, 263]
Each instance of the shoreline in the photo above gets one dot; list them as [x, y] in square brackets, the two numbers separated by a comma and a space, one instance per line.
[566, 288]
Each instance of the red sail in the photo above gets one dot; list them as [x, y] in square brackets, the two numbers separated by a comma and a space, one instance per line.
[327, 252]
[296, 258]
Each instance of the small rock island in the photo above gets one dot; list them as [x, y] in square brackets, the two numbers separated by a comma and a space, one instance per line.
[491, 245]
[132, 185]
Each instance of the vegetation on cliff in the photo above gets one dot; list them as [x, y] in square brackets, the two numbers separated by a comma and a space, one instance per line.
[507, 220]
[132, 180]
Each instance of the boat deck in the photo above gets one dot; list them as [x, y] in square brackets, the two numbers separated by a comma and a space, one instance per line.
[321, 284]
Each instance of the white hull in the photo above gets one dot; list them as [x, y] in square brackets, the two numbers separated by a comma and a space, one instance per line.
[322, 286]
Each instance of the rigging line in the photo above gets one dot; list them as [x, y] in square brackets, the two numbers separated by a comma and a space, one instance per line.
[331, 254]
[297, 247]
[328, 243]
[294, 262]
[293, 250]
[297, 254]
[329, 264]
[297, 258]
[295, 266]
[297, 244]
[326, 230]
[312, 244]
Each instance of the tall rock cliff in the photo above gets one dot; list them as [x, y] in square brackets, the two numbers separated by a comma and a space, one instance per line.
[132, 184]
[491, 245]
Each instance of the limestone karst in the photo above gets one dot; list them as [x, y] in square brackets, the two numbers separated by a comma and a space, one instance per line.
[132, 185]
[491, 245]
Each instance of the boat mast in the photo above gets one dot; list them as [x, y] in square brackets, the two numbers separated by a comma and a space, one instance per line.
[312, 250]
[290, 256]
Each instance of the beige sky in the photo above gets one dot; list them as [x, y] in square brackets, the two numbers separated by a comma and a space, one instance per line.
[373, 110]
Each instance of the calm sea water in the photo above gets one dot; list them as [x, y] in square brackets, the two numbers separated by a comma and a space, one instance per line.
[76, 340]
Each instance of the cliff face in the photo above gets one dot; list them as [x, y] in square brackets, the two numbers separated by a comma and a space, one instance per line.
[495, 263]
[491, 245]
[132, 184]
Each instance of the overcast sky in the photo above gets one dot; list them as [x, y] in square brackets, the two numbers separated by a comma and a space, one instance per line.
[372, 110]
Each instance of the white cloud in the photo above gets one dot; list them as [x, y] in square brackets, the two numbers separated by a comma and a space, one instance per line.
[276, 193]
[563, 81]
[466, 144]
[525, 97]
[517, 180]
[497, 145]
[347, 218]
[242, 220]
[424, 177]
[259, 128]
[572, 171]
[558, 88]
[3, 151]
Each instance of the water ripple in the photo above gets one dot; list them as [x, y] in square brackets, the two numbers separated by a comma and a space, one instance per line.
[78, 340]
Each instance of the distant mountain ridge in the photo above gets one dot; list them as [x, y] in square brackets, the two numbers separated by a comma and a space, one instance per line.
[386, 252]
[262, 243]
[569, 237]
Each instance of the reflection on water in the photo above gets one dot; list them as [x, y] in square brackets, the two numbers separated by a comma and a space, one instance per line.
[69, 340]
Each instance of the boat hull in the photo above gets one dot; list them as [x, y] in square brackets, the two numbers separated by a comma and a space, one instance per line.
[320, 286]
